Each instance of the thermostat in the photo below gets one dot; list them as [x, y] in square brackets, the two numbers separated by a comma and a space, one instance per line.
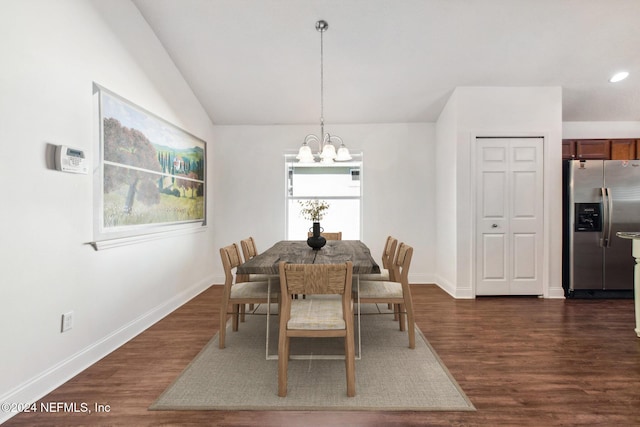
[71, 160]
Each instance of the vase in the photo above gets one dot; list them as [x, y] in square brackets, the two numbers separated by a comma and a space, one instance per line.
[316, 241]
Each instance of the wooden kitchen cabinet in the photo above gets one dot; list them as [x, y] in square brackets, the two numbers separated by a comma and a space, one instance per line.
[589, 149]
[568, 149]
[586, 149]
[623, 149]
[601, 149]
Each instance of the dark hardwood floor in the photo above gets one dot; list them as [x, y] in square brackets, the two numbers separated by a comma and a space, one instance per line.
[521, 361]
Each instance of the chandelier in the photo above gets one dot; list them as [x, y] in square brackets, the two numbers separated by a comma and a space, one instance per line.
[326, 150]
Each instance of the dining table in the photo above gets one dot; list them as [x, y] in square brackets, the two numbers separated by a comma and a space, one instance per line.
[298, 252]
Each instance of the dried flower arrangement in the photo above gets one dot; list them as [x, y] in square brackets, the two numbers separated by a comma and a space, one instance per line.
[313, 210]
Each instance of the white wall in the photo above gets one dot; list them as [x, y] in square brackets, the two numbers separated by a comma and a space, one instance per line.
[446, 190]
[596, 130]
[496, 111]
[398, 185]
[52, 52]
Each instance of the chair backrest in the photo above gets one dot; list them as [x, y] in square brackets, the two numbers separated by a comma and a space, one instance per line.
[230, 256]
[249, 249]
[337, 235]
[401, 263]
[316, 279]
[389, 252]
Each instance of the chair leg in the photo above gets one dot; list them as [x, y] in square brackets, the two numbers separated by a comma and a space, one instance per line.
[396, 314]
[243, 309]
[403, 316]
[410, 321]
[412, 331]
[349, 360]
[223, 324]
[283, 363]
[235, 315]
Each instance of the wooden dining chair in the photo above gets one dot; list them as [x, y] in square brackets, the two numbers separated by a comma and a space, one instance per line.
[237, 294]
[337, 235]
[249, 251]
[386, 272]
[388, 255]
[396, 292]
[316, 317]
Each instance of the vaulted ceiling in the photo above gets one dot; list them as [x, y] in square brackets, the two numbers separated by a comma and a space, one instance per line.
[388, 61]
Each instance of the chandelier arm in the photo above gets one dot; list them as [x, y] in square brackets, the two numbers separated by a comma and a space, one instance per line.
[312, 138]
[336, 138]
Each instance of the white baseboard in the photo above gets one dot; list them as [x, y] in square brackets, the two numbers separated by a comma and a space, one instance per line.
[453, 290]
[39, 386]
[556, 292]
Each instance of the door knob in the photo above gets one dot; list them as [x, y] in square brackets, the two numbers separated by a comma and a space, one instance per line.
[494, 225]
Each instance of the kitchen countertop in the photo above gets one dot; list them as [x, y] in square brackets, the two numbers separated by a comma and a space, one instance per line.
[628, 234]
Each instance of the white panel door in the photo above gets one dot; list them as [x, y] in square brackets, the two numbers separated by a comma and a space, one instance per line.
[509, 209]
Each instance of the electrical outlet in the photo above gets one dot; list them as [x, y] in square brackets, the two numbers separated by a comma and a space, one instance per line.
[67, 321]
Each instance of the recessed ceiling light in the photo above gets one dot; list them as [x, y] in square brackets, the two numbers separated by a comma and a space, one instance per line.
[619, 76]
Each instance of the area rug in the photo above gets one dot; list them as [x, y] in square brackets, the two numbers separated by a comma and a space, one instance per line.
[389, 375]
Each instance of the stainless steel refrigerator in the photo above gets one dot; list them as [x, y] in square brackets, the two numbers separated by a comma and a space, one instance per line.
[603, 198]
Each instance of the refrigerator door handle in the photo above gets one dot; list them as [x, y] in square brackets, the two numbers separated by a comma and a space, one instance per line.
[604, 241]
[607, 205]
[609, 216]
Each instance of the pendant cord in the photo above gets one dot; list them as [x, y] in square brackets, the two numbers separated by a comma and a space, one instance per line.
[321, 86]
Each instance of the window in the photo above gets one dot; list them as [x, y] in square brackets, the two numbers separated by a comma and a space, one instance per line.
[339, 184]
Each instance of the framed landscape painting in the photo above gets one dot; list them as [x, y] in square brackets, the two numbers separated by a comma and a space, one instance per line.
[152, 174]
